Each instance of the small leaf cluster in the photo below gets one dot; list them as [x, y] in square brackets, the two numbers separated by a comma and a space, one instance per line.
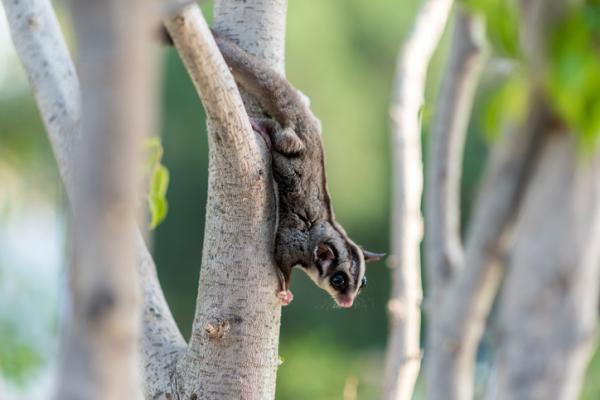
[506, 101]
[158, 181]
[502, 24]
[18, 359]
[573, 76]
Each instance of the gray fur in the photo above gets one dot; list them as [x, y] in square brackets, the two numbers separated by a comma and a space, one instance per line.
[307, 226]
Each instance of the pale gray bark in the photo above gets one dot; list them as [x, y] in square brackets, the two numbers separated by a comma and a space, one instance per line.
[162, 343]
[548, 310]
[101, 350]
[45, 58]
[549, 303]
[443, 246]
[403, 357]
[239, 185]
[233, 351]
[446, 376]
[257, 26]
[40, 45]
[464, 290]
[464, 307]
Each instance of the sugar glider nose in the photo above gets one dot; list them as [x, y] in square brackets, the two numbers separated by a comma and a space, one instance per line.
[345, 302]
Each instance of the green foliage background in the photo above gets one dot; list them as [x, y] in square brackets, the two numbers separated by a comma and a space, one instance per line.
[342, 54]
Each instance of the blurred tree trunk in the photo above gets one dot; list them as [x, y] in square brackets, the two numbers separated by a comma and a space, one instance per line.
[538, 205]
[549, 306]
[448, 364]
[101, 338]
[403, 358]
[233, 351]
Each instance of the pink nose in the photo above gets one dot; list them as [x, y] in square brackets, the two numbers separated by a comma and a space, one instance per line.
[346, 303]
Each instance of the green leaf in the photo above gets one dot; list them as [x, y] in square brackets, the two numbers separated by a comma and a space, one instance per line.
[158, 210]
[160, 181]
[158, 178]
[154, 150]
[573, 78]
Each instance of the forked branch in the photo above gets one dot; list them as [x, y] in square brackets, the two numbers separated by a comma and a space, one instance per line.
[44, 55]
[237, 317]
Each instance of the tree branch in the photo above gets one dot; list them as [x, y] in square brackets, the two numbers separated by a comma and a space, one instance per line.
[41, 47]
[460, 320]
[549, 304]
[548, 311]
[443, 248]
[233, 351]
[403, 355]
[162, 343]
[214, 83]
[115, 68]
[444, 253]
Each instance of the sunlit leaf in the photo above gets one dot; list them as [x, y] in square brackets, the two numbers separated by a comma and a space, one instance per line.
[573, 78]
[160, 181]
[158, 177]
[158, 210]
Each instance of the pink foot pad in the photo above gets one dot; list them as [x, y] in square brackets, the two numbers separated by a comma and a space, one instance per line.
[285, 296]
[262, 130]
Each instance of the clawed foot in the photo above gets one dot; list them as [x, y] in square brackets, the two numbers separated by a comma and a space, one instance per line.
[285, 296]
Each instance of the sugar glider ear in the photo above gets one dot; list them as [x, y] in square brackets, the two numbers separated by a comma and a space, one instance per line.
[370, 256]
[324, 255]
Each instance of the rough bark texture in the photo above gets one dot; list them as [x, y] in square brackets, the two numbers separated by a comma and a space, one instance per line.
[403, 355]
[162, 343]
[101, 353]
[233, 347]
[257, 26]
[549, 303]
[241, 195]
[44, 55]
[236, 329]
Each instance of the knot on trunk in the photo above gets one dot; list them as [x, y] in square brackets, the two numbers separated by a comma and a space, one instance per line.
[218, 329]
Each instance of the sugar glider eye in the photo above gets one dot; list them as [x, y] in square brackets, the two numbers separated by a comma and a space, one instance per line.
[338, 280]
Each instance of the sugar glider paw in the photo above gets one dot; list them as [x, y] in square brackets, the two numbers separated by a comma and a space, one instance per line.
[285, 296]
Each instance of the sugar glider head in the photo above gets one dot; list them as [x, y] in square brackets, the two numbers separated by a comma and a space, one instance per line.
[337, 263]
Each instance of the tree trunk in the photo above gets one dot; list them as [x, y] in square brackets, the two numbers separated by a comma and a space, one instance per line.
[549, 304]
[403, 357]
[234, 328]
[548, 311]
[233, 350]
[447, 376]
[101, 352]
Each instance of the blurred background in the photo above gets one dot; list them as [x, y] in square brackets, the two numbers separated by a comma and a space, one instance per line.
[342, 54]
